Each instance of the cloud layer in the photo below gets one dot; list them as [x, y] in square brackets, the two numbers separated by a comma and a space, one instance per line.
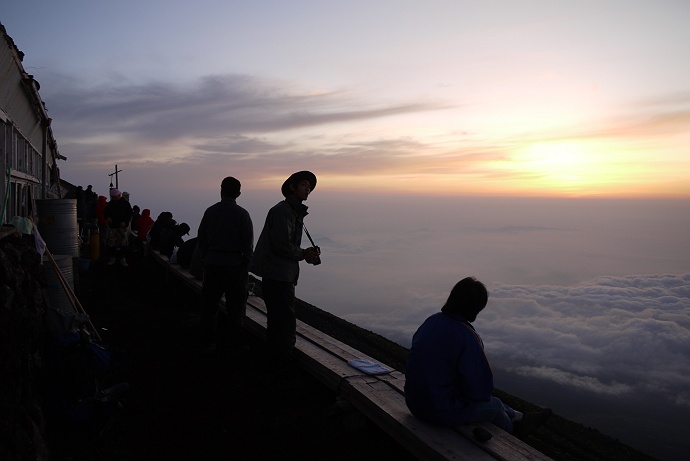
[619, 336]
[615, 335]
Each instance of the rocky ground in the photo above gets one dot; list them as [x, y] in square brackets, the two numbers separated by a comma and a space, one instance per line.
[184, 405]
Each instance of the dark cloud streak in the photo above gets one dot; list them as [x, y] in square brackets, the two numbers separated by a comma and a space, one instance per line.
[220, 104]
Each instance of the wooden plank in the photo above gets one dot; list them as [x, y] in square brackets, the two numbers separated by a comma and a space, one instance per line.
[502, 445]
[380, 398]
[386, 407]
[176, 270]
[325, 367]
[335, 347]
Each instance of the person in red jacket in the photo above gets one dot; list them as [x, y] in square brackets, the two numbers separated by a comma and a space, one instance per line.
[142, 226]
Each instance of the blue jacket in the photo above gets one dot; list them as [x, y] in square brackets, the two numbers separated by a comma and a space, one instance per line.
[447, 370]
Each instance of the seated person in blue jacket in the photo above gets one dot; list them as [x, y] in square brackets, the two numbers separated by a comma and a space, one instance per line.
[448, 379]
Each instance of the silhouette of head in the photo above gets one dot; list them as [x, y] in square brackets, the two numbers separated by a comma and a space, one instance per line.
[467, 298]
[230, 187]
[183, 228]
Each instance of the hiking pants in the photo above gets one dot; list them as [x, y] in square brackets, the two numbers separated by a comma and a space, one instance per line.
[230, 281]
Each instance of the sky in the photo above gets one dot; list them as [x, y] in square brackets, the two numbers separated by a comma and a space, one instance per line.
[541, 146]
[581, 98]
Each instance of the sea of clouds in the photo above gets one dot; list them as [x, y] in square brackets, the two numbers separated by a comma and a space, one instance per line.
[613, 335]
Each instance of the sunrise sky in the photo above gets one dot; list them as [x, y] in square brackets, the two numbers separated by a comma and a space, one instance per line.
[535, 97]
[540, 145]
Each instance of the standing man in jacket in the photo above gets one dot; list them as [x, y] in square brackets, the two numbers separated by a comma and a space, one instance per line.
[276, 261]
[118, 214]
[226, 241]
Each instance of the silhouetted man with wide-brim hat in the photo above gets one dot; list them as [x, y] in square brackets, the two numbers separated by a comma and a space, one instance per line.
[276, 259]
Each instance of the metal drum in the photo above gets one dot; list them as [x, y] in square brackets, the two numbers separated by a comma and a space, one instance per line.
[56, 292]
[57, 223]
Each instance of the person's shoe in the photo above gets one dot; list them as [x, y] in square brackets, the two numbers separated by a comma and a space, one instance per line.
[111, 262]
[530, 422]
[124, 262]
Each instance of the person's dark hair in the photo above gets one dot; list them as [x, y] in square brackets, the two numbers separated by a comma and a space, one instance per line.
[467, 298]
[230, 187]
[183, 228]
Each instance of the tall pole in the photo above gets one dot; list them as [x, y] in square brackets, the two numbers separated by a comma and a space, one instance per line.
[117, 183]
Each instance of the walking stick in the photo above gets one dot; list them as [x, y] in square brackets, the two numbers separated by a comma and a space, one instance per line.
[70, 293]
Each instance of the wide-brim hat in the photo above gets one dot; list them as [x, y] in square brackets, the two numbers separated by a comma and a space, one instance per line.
[297, 177]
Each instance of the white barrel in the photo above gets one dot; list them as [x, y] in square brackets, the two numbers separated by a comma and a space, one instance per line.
[57, 223]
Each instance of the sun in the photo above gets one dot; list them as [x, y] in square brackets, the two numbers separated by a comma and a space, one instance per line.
[557, 161]
[565, 166]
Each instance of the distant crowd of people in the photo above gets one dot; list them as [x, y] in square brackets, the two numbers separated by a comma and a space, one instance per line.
[125, 230]
[448, 377]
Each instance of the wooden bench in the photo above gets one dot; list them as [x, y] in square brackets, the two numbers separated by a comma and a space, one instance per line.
[380, 397]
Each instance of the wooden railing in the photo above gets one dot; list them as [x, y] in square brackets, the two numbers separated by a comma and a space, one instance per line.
[379, 397]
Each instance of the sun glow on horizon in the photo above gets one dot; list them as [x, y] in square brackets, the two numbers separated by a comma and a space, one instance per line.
[585, 167]
[556, 168]
[563, 165]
